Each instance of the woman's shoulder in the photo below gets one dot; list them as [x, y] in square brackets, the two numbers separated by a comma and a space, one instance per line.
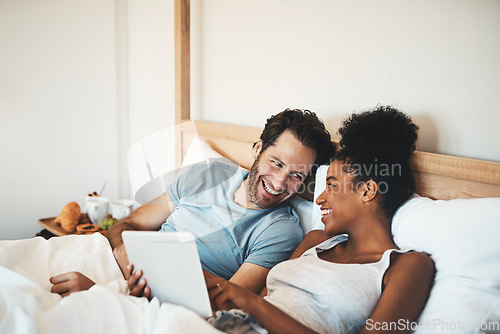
[415, 259]
[411, 264]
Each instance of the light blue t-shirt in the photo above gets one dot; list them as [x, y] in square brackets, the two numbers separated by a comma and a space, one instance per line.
[227, 235]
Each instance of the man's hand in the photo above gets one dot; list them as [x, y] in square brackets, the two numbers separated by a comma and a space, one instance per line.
[66, 284]
[136, 284]
[148, 217]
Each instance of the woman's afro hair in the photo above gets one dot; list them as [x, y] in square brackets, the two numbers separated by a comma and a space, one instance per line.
[378, 144]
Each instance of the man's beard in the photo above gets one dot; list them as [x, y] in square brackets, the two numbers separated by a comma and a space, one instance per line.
[253, 186]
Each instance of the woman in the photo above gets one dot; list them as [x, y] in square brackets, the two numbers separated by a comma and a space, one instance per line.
[350, 277]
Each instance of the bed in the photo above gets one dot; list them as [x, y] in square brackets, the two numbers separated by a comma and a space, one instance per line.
[453, 217]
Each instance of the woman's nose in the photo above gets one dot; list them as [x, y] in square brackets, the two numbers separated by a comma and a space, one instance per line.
[320, 200]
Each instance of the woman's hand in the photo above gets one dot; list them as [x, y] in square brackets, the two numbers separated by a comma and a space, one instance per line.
[136, 284]
[225, 295]
[66, 284]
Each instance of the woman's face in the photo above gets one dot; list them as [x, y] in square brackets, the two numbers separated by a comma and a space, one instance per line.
[341, 201]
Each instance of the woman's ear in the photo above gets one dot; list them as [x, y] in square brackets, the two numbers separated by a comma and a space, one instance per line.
[257, 148]
[370, 189]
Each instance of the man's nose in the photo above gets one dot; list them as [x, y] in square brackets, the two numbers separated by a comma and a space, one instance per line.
[280, 181]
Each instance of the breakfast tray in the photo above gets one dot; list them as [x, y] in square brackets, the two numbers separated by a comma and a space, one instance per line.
[52, 227]
[49, 225]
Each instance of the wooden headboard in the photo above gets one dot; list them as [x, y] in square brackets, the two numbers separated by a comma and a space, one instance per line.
[436, 175]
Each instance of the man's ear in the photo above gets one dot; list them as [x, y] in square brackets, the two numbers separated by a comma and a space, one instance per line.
[370, 189]
[257, 148]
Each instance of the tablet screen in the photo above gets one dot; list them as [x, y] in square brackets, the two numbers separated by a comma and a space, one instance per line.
[171, 267]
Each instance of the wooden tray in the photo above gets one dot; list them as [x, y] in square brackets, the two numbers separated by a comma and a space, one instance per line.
[49, 225]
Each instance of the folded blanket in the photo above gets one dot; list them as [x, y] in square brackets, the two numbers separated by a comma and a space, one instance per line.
[28, 306]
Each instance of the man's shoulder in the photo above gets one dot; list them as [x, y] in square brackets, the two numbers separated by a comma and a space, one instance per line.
[218, 169]
[211, 173]
[224, 166]
[283, 216]
[286, 211]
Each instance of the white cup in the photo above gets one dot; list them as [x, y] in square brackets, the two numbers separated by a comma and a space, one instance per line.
[97, 208]
[121, 208]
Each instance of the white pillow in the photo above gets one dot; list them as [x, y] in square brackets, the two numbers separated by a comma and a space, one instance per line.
[462, 236]
[200, 151]
[319, 187]
[304, 210]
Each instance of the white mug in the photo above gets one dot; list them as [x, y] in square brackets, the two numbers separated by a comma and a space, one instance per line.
[97, 208]
[121, 208]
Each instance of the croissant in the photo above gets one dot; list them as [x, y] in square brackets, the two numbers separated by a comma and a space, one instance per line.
[68, 218]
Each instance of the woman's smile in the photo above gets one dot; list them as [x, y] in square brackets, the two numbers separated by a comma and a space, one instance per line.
[324, 214]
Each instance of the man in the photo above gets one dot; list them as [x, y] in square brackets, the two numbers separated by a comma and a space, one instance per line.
[241, 220]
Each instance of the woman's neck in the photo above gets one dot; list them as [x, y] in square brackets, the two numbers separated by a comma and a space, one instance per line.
[367, 241]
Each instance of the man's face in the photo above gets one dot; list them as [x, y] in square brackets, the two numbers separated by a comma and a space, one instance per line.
[278, 172]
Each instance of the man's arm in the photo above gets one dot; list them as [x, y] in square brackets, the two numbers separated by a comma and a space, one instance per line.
[149, 216]
[251, 276]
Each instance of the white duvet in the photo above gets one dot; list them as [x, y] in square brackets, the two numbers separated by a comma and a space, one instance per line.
[28, 306]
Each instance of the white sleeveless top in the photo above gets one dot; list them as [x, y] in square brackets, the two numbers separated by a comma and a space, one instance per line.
[325, 296]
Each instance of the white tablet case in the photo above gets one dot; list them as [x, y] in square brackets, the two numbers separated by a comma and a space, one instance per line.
[171, 267]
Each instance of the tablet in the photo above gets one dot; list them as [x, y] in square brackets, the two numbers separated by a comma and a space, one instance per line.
[171, 267]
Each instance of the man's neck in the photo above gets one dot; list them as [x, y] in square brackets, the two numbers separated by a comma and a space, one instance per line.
[242, 196]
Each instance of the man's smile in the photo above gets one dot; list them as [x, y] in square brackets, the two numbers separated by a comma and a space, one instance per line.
[269, 190]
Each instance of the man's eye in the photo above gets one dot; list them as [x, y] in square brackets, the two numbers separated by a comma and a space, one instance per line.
[278, 164]
[298, 176]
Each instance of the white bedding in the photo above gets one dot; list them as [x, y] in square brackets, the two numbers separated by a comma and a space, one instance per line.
[28, 306]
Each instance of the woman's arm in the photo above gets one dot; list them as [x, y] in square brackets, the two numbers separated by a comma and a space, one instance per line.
[225, 295]
[407, 282]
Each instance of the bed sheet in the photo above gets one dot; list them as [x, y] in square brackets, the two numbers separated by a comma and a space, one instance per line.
[28, 306]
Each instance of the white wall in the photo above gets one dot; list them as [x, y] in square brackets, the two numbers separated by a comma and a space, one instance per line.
[151, 66]
[57, 108]
[80, 82]
[439, 61]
